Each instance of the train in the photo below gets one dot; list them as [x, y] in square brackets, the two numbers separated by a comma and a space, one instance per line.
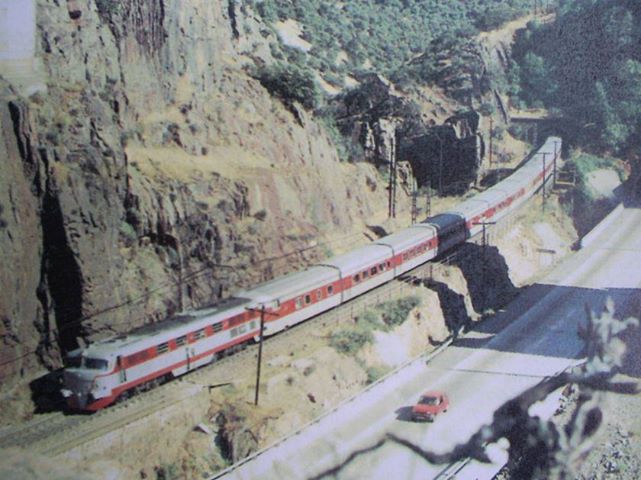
[112, 369]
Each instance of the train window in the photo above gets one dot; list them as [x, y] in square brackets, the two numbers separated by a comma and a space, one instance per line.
[381, 267]
[198, 334]
[180, 341]
[299, 303]
[365, 274]
[73, 361]
[389, 264]
[95, 363]
[162, 348]
[373, 271]
[233, 332]
[217, 327]
[308, 299]
[319, 294]
[253, 324]
[357, 278]
[330, 289]
[242, 328]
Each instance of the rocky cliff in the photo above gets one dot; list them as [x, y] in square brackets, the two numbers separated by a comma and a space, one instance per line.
[153, 174]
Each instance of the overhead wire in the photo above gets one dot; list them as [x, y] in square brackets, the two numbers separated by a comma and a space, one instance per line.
[191, 276]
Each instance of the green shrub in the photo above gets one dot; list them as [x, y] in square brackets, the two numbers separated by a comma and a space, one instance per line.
[496, 15]
[291, 83]
[396, 312]
[369, 319]
[108, 7]
[261, 215]
[128, 232]
[350, 341]
[586, 163]
[374, 373]
[381, 317]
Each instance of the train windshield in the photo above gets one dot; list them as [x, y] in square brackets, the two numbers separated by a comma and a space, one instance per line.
[73, 361]
[95, 363]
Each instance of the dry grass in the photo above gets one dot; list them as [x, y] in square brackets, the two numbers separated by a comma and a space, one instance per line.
[231, 162]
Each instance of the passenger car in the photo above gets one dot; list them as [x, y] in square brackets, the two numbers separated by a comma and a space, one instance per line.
[429, 405]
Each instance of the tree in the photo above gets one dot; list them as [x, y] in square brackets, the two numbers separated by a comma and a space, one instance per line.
[535, 80]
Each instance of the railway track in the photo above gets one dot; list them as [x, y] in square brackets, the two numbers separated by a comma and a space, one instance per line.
[55, 433]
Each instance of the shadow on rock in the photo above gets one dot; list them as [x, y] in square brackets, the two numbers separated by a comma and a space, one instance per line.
[487, 276]
[452, 305]
[45, 393]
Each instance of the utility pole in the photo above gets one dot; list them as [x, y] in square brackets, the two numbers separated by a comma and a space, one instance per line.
[556, 145]
[428, 201]
[181, 302]
[414, 202]
[260, 345]
[392, 189]
[392, 179]
[543, 154]
[440, 164]
[491, 139]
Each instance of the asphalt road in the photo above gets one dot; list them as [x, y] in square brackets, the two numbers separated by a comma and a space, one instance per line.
[536, 336]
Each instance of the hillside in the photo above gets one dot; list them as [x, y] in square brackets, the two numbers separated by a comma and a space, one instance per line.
[586, 65]
[166, 161]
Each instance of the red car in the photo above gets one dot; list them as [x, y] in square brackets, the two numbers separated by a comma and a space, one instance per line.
[429, 405]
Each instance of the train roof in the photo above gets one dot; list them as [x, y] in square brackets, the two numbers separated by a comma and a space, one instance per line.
[164, 330]
[492, 195]
[408, 237]
[357, 260]
[514, 181]
[291, 285]
[471, 207]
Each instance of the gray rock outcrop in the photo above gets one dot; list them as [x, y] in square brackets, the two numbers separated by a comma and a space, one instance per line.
[153, 174]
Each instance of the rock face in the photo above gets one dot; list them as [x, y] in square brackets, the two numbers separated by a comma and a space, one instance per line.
[447, 158]
[390, 127]
[153, 175]
[373, 114]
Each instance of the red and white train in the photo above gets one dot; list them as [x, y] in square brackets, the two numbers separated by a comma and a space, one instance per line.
[111, 369]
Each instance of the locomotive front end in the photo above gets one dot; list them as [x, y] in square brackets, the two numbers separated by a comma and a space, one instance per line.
[87, 381]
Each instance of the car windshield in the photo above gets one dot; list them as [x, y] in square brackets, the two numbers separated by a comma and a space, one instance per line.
[429, 401]
[95, 363]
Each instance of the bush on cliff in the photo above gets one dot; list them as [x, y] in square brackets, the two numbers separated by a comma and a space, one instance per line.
[291, 83]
